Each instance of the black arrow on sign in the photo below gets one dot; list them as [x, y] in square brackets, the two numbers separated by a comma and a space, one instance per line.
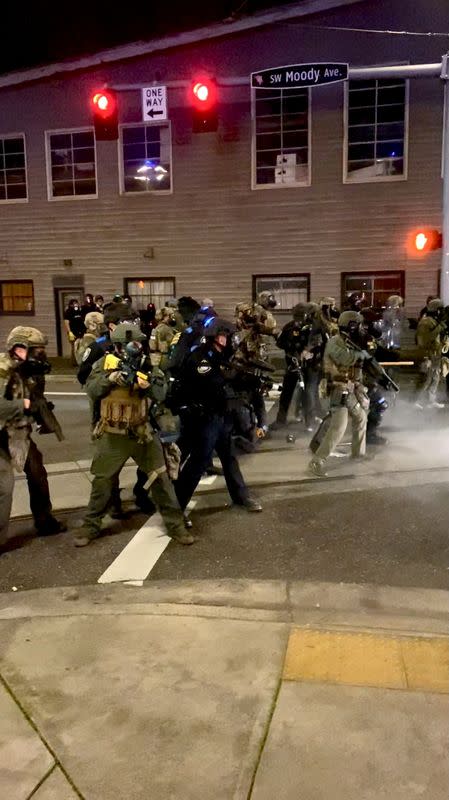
[153, 113]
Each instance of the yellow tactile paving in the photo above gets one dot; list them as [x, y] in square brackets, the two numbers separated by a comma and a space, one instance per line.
[364, 659]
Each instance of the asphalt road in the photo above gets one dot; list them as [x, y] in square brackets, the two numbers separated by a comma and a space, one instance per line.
[392, 536]
[312, 531]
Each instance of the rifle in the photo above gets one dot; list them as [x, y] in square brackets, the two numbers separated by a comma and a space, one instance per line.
[373, 368]
[41, 409]
[253, 368]
[42, 412]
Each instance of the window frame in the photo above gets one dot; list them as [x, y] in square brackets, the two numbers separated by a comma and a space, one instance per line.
[267, 186]
[371, 274]
[375, 178]
[150, 278]
[21, 313]
[279, 276]
[121, 169]
[17, 199]
[65, 198]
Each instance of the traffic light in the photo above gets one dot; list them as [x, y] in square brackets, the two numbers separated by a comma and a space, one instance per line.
[105, 113]
[424, 240]
[203, 98]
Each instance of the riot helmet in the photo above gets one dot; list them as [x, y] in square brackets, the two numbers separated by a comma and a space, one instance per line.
[126, 332]
[94, 322]
[435, 307]
[395, 301]
[267, 300]
[349, 323]
[356, 300]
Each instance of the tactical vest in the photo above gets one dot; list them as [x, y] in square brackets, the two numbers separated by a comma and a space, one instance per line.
[339, 374]
[125, 413]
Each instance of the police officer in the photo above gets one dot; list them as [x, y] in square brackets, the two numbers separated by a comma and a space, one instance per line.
[347, 396]
[293, 340]
[22, 382]
[431, 337]
[95, 328]
[162, 337]
[206, 392]
[268, 302]
[123, 431]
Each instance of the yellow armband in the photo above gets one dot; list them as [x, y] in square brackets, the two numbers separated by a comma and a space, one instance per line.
[111, 362]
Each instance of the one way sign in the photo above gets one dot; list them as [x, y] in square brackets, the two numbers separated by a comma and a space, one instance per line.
[154, 103]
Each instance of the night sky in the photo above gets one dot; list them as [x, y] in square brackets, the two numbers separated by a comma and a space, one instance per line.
[41, 32]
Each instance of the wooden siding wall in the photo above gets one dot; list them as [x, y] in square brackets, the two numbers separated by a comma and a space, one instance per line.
[213, 233]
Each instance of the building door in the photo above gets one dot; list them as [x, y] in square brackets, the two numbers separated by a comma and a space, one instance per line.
[62, 297]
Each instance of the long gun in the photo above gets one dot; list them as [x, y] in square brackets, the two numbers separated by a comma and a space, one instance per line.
[42, 413]
[373, 368]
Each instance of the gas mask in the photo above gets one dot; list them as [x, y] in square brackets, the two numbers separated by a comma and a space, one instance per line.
[36, 363]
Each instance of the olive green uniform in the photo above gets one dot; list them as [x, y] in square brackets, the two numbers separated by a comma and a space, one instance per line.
[123, 432]
[347, 398]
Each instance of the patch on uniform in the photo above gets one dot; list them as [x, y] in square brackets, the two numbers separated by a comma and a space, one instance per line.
[86, 354]
[203, 368]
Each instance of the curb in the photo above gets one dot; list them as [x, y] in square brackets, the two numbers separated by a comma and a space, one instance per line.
[320, 605]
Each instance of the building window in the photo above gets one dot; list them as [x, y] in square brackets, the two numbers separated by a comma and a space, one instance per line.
[376, 286]
[149, 290]
[287, 289]
[281, 137]
[13, 179]
[71, 165]
[376, 130]
[145, 162]
[16, 297]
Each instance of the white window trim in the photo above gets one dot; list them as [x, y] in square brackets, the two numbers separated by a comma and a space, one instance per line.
[69, 197]
[264, 186]
[121, 171]
[17, 199]
[376, 178]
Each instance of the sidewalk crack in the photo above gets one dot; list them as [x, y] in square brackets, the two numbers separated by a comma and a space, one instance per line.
[9, 690]
[268, 723]
[42, 781]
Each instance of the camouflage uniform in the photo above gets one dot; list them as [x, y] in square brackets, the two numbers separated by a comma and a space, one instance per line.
[430, 337]
[347, 398]
[94, 322]
[17, 449]
[160, 341]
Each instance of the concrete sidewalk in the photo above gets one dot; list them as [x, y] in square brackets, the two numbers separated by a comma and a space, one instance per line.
[224, 690]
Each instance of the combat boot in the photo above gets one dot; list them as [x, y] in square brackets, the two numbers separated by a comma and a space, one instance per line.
[83, 537]
[316, 468]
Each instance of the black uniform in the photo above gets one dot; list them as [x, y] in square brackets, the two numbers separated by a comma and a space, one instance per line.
[205, 392]
[93, 353]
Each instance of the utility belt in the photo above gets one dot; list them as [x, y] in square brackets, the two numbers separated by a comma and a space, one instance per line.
[347, 394]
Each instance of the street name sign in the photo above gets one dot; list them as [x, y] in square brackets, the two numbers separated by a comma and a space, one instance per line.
[154, 103]
[299, 75]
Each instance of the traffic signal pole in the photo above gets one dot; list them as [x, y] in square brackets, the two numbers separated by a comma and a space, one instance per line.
[436, 70]
[444, 279]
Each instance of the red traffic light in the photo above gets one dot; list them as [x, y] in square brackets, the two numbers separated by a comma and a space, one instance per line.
[104, 104]
[104, 108]
[424, 240]
[203, 93]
